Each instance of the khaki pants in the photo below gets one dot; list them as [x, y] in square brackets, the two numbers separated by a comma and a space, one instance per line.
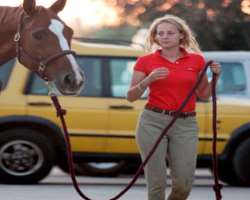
[179, 147]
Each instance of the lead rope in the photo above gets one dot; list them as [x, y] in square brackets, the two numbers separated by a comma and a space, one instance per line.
[217, 187]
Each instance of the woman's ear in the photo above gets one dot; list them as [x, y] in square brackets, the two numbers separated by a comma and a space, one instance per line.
[181, 36]
[156, 39]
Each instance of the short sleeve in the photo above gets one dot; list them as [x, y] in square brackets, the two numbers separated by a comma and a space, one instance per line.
[140, 65]
[201, 63]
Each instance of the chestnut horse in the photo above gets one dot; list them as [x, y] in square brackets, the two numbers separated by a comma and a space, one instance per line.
[41, 42]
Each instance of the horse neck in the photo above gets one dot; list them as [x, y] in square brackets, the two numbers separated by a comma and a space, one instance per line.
[9, 18]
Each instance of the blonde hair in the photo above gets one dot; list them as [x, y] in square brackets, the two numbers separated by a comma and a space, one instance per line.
[188, 41]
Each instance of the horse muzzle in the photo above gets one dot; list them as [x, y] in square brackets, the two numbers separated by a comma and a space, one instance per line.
[70, 83]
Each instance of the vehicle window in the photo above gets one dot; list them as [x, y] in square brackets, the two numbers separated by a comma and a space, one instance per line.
[5, 71]
[37, 86]
[232, 79]
[121, 74]
[92, 69]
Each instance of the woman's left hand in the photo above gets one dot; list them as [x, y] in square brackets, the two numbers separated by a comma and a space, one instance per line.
[215, 68]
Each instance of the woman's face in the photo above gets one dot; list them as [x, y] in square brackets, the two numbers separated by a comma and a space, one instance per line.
[168, 36]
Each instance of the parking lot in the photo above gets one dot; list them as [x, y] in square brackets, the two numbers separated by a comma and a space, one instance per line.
[58, 186]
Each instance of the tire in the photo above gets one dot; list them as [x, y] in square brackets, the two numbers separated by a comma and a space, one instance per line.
[100, 169]
[131, 168]
[241, 162]
[62, 162]
[26, 156]
[63, 165]
[227, 174]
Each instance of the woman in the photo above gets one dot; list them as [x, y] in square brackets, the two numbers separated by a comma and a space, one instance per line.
[170, 72]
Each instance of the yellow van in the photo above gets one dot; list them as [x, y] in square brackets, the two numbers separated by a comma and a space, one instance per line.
[102, 122]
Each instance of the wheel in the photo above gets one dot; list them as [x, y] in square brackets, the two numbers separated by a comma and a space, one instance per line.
[100, 169]
[26, 156]
[63, 166]
[131, 168]
[62, 163]
[241, 162]
[227, 174]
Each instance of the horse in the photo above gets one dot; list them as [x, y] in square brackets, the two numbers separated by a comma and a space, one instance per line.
[41, 42]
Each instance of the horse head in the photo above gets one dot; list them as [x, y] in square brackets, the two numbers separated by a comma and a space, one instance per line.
[43, 45]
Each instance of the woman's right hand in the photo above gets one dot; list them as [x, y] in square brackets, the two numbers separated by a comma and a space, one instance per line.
[158, 74]
[140, 82]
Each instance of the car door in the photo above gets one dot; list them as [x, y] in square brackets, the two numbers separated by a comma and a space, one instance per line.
[87, 113]
[232, 82]
[123, 115]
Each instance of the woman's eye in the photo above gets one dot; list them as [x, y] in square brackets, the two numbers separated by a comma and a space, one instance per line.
[160, 33]
[170, 33]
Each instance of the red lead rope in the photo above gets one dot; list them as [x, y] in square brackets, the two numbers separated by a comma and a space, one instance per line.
[217, 187]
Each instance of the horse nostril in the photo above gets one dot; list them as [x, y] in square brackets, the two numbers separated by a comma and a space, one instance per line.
[69, 79]
[72, 83]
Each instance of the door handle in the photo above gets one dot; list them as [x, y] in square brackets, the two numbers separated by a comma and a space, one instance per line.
[121, 107]
[45, 104]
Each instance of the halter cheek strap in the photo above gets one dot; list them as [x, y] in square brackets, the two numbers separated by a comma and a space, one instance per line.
[41, 64]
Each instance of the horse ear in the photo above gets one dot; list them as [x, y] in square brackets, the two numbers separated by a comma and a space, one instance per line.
[29, 6]
[58, 6]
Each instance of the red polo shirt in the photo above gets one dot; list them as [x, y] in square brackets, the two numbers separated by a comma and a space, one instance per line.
[169, 93]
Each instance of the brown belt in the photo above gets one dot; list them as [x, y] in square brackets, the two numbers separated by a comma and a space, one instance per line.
[169, 112]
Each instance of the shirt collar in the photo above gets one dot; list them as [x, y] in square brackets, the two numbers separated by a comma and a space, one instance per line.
[184, 52]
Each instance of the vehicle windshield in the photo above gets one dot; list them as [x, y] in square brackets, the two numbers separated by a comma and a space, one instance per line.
[232, 80]
[5, 71]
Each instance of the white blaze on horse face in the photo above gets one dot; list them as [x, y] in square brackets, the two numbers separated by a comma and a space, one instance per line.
[57, 28]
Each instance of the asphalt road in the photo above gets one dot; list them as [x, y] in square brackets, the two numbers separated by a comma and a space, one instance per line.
[58, 186]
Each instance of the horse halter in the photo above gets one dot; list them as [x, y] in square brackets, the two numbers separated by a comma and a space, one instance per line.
[42, 64]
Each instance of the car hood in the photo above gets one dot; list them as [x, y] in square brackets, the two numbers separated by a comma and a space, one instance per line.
[235, 99]
[236, 105]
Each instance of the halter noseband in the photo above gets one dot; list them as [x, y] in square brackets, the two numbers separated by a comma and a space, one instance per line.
[42, 64]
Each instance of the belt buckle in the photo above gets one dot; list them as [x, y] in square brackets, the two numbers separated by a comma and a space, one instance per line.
[158, 110]
[185, 114]
[171, 113]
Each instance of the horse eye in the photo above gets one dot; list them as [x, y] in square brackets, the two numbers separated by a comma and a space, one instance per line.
[39, 35]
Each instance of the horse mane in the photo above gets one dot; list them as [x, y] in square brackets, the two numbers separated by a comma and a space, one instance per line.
[8, 16]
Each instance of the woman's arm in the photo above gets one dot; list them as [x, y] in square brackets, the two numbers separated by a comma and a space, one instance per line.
[138, 85]
[205, 88]
[140, 82]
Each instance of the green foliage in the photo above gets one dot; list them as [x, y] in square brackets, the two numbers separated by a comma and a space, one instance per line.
[122, 33]
[218, 24]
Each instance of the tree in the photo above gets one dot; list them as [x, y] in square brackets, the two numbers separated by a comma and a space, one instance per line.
[218, 24]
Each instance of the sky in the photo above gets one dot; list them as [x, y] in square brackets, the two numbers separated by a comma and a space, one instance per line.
[85, 14]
